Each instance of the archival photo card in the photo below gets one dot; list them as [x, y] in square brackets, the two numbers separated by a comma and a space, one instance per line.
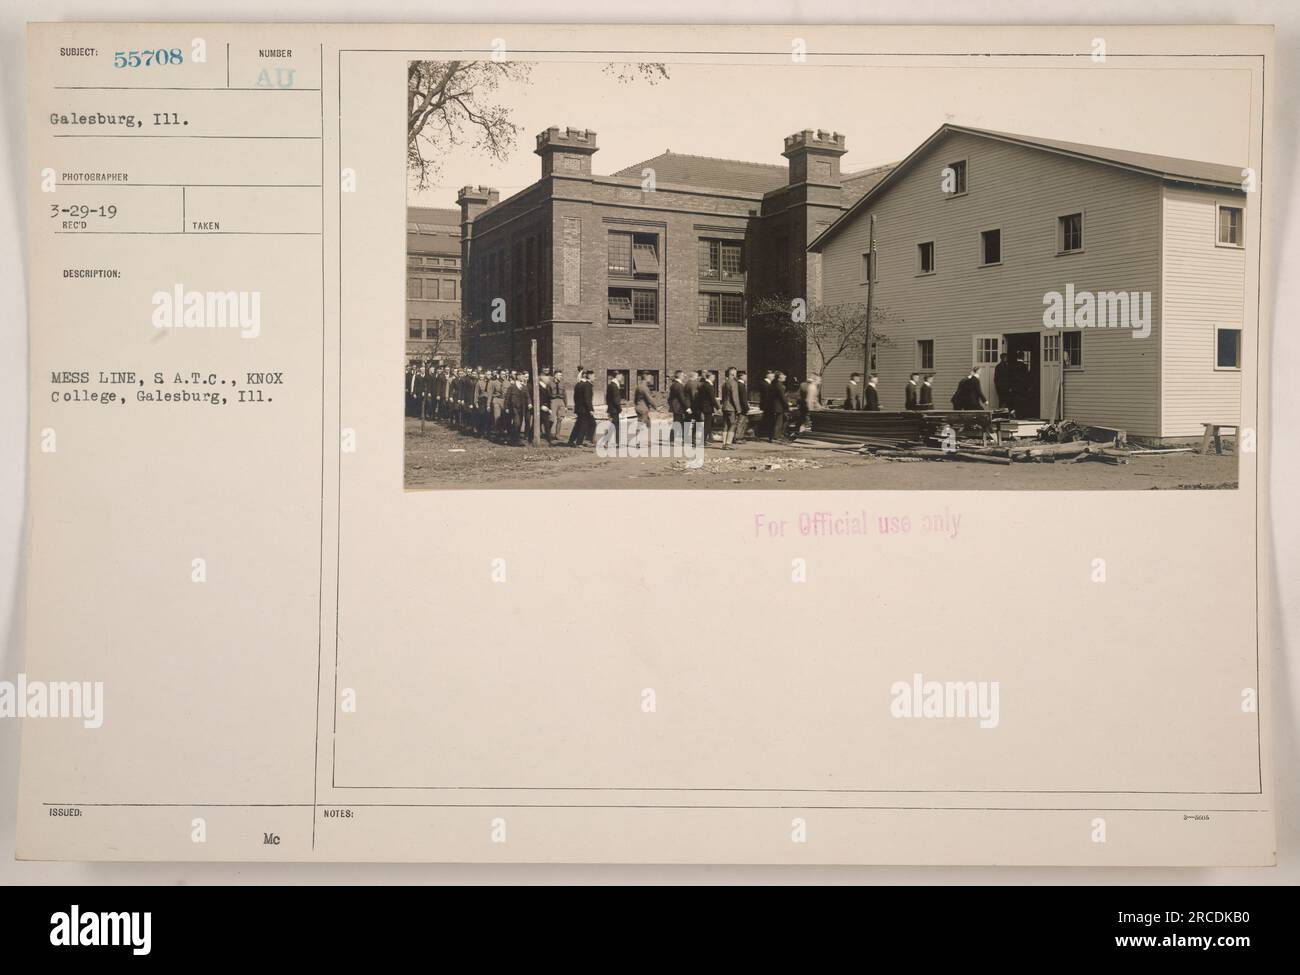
[815, 445]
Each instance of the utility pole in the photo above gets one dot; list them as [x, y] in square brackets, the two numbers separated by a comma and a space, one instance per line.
[537, 406]
[871, 275]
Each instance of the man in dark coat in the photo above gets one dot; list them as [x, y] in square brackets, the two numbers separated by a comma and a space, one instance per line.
[911, 392]
[927, 393]
[1004, 382]
[679, 405]
[516, 409]
[584, 428]
[853, 392]
[614, 405]
[872, 396]
[778, 407]
[704, 405]
[969, 395]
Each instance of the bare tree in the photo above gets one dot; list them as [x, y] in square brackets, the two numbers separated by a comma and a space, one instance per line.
[829, 331]
[449, 103]
[454, 337]
[651, 72]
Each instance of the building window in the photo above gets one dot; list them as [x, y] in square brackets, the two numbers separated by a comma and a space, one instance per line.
[431, 329]
[1227, 348]
[449, 329]
[413, 288]
[645, 255]
[622, 373]
[651, 379]
[413, 328]
[721, 260]
[869, 269]
[431, 288]
[991, 247]
[633, 254]
[722, 310]
[988, 350]
[1069, 233]
[1051, 347]
[955, 178]
[925, 354]
[633, 306]
[1230, 226]
[1072, 344]
[414, 260]
[925, 258]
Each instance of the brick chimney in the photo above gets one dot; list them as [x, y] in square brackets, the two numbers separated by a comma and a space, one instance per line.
[473, 200]
[566, 152]
[814, 156]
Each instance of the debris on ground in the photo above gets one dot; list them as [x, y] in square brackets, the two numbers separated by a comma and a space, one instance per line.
[730, 465]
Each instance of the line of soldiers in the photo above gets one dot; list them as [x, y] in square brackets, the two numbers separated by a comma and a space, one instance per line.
[496, 404]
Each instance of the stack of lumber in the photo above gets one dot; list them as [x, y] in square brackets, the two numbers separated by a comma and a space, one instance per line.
[861, 426]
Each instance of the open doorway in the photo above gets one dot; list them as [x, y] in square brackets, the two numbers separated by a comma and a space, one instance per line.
[1025, 358]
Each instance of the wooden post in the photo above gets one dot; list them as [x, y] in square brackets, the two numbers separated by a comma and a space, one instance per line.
[871, 274]
[537, 406]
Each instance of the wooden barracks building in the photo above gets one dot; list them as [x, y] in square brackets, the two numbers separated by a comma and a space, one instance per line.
[660, 266]
[963, 266]
[653, 268]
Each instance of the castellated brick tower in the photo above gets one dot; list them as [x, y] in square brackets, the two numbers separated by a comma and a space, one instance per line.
[814, 156]
[566, 152]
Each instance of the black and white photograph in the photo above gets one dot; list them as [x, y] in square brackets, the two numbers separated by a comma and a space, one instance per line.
[826, 287]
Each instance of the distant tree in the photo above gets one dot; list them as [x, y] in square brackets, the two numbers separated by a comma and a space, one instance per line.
[449, 103]
[828, 331]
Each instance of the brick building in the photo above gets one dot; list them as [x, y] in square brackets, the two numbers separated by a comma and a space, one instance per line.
[433, 284]
[653, 268]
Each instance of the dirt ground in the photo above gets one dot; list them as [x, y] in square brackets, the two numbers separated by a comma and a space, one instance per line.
[441, 458]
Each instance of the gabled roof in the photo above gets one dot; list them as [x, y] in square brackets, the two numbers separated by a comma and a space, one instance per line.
[711, 173]
[1167, 168]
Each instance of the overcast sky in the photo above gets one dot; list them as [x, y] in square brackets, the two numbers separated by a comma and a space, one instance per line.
[743, 111]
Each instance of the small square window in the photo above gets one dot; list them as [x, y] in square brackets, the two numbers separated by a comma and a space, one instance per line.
[1227, 348]
[991, 247]
[1072, 344]
[1231, 226]
[1069, 233]
[925, 257]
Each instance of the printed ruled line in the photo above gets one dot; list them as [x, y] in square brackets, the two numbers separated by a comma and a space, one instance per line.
[549, 805]
[265, 186]
[204, 233]
[172, 88]
[123, 135]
